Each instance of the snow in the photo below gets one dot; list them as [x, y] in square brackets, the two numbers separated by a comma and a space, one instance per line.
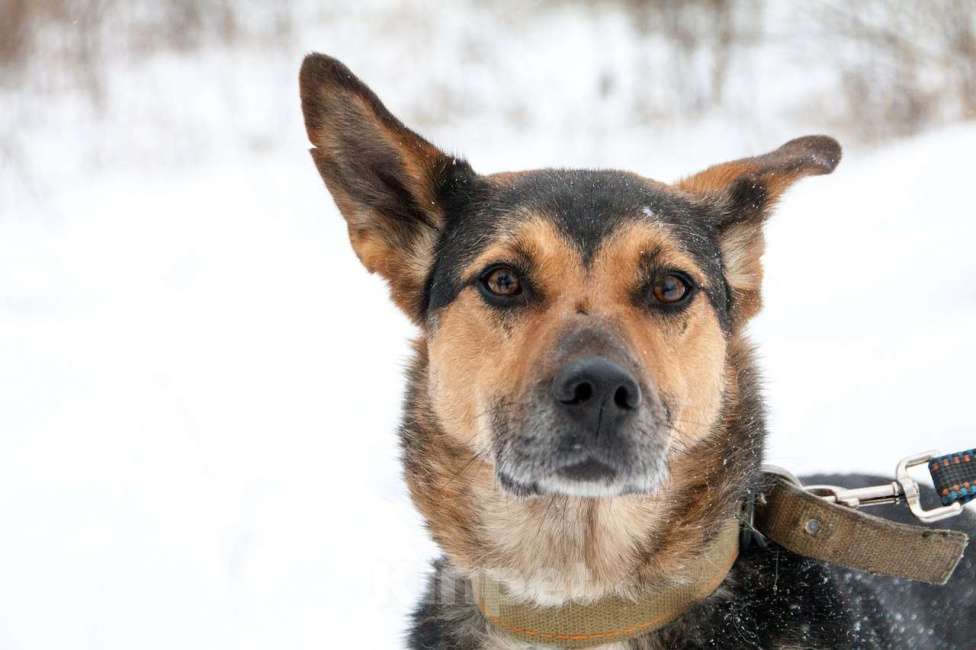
[870, 307]
[199, 385]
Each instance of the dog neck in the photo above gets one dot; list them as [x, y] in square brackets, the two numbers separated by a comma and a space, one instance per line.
[554, 549]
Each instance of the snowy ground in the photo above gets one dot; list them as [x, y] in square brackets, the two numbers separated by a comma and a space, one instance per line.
[199, 386]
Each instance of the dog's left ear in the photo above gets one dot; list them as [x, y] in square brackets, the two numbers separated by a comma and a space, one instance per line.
[744, 193]
[390, 184]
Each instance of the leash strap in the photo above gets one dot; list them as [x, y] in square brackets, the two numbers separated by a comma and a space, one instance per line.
[813, 527]
[579, 625]
[954, 476]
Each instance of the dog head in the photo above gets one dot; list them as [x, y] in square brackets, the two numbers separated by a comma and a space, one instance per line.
[576, 324]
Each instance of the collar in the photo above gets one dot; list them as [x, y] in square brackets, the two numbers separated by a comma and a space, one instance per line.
[578, 625]
[819, 522]
[814, 526]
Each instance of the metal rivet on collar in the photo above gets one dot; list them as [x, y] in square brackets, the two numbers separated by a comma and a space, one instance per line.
[812, 526]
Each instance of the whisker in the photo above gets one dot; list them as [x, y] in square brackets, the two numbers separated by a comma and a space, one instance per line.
[478, 454]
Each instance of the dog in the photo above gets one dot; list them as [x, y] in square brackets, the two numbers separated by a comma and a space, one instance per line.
[583, 411]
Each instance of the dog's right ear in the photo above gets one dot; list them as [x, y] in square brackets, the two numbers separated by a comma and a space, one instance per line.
[390, 184]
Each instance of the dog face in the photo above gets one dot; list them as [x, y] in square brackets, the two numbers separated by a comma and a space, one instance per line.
[576, 323]
[575, 330]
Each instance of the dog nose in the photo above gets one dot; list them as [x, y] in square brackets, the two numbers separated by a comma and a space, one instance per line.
[596, 388]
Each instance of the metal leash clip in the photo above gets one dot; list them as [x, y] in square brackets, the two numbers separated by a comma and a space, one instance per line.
[903, 488]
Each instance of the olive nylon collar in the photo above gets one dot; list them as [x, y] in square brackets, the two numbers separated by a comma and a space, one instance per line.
[576, 625]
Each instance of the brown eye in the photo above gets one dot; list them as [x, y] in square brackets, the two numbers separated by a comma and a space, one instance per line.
[670, 289]
[502, 281]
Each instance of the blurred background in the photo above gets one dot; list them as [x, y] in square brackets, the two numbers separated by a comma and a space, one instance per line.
[199, 386]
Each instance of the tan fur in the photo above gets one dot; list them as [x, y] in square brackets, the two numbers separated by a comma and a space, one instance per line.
[560, 547]
[694, 381]
[742, 249]
[776, 172]
[474, 359]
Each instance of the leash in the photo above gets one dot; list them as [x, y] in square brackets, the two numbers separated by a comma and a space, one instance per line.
[822, 522]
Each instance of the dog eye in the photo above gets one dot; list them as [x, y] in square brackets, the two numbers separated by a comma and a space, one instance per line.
[670, 289]
[502, 281]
